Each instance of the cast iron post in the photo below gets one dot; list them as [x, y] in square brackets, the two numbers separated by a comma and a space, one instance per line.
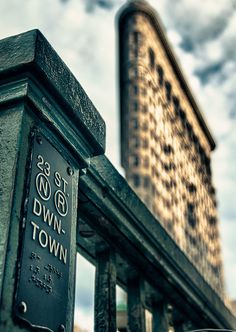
[105, 292]
[49, 129]
[136, 311]
[160, 317]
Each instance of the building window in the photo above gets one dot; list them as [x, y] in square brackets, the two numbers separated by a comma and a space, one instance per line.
[146, 181]
[176, 102]
[135, 160]
[135, 89]
[136, 52]
[190, 129]
[160, 73]
[134, 20]
[145, 109]
[137, 37]
[136, 142]
[212, 220]
[169, 225]
[151, 58]
[212, 190]
[145, 126]
[146, 162]
[145, 143]
[168, 90]
[167, 149]
[191, 215]
[191, 188]
[136, 180]
[135, 106]
[168, 166]
[135, 123]
[195, 139]
[182, 115]
[144, 92]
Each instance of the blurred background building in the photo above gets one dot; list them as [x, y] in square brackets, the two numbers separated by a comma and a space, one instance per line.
[165, 142]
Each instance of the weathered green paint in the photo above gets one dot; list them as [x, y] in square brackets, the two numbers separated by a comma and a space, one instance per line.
[46, 97]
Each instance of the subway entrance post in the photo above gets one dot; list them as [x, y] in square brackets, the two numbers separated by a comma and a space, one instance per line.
[49, 129]
[59, 194]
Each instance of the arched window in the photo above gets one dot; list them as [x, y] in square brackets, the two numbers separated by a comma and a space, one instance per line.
[151, 58]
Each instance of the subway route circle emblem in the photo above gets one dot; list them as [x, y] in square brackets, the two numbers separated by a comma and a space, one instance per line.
[61, 203]
[43, 186]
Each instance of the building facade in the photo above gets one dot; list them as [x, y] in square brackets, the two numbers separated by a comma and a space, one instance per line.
[165, 142]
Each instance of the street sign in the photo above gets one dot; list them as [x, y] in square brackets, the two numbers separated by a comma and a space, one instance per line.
[42, 287]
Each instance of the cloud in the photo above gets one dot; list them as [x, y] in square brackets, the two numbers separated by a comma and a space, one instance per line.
[210, 19]
[207, 73]
[92, 5]
[228, 235]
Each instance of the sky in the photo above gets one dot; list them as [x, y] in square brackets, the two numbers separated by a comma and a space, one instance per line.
[203, 36]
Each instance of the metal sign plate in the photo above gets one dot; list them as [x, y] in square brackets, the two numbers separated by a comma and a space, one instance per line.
[42, 289]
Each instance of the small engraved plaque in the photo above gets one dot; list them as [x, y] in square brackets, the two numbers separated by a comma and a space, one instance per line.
[42, 289]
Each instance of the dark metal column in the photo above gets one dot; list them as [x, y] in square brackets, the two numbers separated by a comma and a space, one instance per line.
[136, 311]
[105, 292]
[160, 317]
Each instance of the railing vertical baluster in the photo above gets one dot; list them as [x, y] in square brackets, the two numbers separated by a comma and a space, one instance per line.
[105, 292]
[160, 317]
[136, 311]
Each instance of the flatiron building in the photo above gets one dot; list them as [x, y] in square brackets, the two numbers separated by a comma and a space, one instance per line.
[165, 142]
